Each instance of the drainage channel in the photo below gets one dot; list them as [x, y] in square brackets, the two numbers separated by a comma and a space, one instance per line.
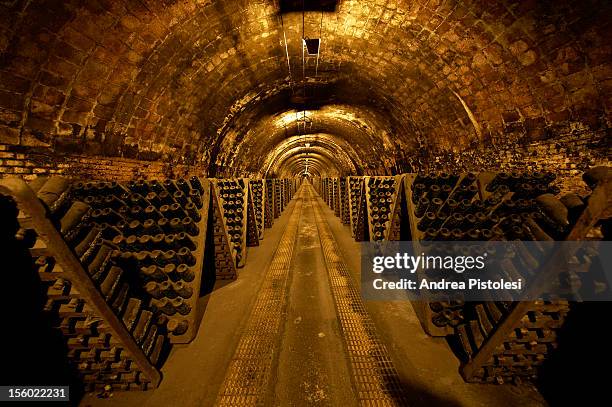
[247, 379]
[375, 378]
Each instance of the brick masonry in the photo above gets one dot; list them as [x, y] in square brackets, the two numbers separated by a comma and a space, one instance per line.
[31, 164]
[568, 157]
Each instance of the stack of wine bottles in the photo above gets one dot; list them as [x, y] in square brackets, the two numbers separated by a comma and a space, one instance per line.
[258, 196]
[270, 207]
[231, 204]
[380, 196]
[325, 190]
[155, 230]
[497, 340]
[358, 210]
[279, 196]
[502, 341]
[330, 193]
[345, 213]
[398, 226]
[287, 191]
[335, 204]
[113, 338]
[121, 264]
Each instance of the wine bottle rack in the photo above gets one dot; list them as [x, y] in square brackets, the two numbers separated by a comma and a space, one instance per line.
[417, 197]
[345, 212]
[231, 207]
[287, 192]
[109, 333]
[323, 189]
[158, 229]
[337, 198]
[399, 224]
[289, 184]
[380, 197]
[358, 208]
[252, 232]
[497, 340]
[269, 204]
[279, 199]
[509, 343]
[330, 193]
[453, 207]
[258, 197]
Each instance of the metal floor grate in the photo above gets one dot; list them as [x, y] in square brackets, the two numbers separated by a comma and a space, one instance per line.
[247, 378]
[376, 380]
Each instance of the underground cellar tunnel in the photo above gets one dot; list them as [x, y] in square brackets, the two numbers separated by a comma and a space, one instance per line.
[190, 191]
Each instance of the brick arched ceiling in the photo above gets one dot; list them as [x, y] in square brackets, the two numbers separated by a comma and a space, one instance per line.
[313, 147]
[208, 82]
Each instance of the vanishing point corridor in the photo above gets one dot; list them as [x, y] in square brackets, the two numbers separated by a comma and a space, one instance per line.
[303, 336]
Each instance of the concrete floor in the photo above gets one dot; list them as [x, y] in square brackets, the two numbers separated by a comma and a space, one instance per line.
[310, 366]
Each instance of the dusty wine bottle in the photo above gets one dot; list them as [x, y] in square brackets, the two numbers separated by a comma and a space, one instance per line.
[164, 305]
[421, 207]
[52, 191]
[501, 178]
[185, 256]
[165, 198]
[170, 186]
[154, 290]
[574, 205]
[196, 183]
[190, 226]
[195, 197]
[184, 273]
[153, 273]
[418, 191]
[183, 185]
[434, 192]
[73, 217]
[182, 289]
[167, 289]
[595, 175]
[177, 327]
[180, 305]
[426, 221]
[193, 212]
[91, 236]
[554, 209]
[180, 197]
[151, 227]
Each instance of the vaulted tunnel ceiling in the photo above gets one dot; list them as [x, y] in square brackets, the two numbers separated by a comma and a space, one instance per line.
[222, 84]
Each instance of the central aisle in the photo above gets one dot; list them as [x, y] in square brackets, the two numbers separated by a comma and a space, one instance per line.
[312, 366]
[309, 339]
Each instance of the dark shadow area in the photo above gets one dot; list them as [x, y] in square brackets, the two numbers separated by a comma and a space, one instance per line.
[576, 371]
[294, 6]
[209, 281]
[34, 353]
[209, 275]
[405, 227]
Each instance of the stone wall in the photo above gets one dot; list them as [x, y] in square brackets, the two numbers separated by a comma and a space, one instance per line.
[30, 163]
[568, 156]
